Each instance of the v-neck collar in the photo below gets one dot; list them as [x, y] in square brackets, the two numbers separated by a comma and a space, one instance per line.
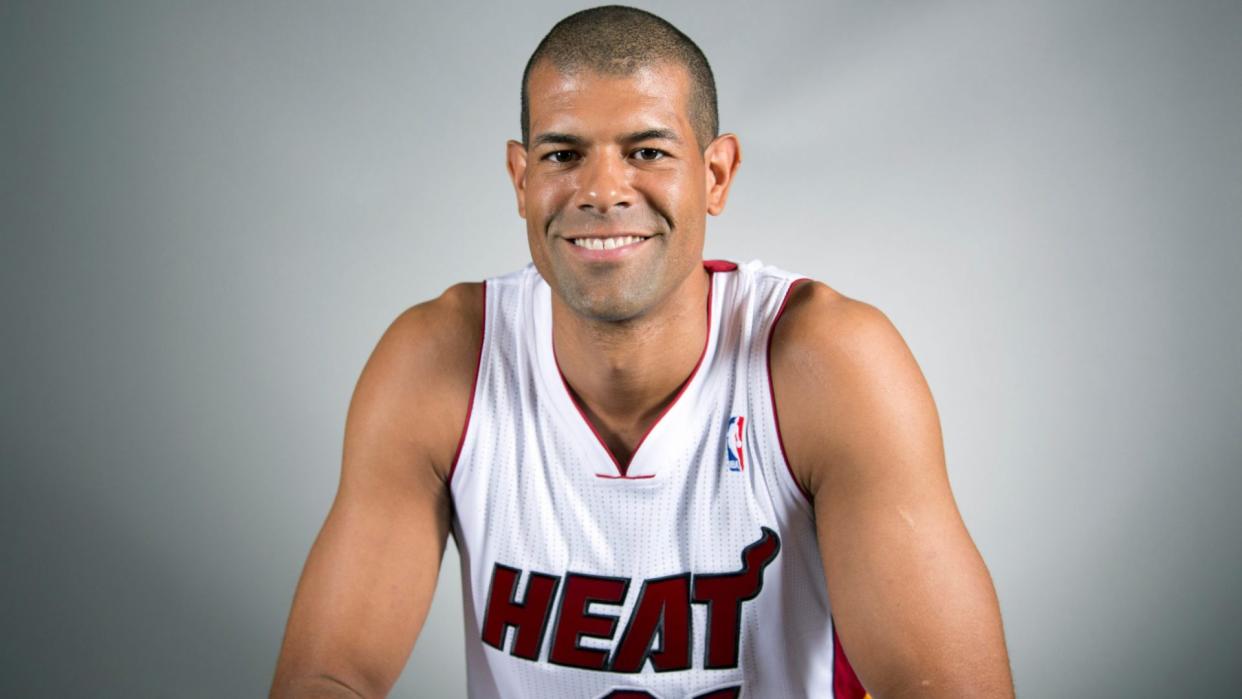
[572, 413]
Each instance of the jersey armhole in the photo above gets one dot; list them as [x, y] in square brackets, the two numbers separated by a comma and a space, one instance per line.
[776, 422]
[474, 389]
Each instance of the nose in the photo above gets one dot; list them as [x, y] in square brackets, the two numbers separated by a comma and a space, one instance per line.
[604, 184]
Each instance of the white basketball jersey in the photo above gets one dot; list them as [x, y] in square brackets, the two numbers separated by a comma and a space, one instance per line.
[692, 572]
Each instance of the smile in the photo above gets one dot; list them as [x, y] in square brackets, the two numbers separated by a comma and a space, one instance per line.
[607, 243]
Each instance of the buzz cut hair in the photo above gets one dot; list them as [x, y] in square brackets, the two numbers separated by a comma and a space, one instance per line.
[616, 40]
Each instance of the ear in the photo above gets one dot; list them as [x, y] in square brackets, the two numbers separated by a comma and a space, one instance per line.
[515, 161]
[722, 157]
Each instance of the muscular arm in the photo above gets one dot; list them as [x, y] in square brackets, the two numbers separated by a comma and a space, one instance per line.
[369, 578]
[913, 602]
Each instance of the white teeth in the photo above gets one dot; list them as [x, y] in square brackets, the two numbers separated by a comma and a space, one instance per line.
[606, 243]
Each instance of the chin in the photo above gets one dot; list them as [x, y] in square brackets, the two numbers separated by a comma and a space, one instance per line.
[610, 309]
[606, 295]
[610, 305]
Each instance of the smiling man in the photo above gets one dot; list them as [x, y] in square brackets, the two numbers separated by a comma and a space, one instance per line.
[604, 445]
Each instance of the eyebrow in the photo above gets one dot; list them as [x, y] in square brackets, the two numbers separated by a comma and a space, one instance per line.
[553, 137]
[652, 135]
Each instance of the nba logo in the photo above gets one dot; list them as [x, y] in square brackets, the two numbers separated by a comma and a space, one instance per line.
[733, 444]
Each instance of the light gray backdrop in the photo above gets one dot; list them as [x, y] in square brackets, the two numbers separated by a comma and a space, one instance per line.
[211, 211]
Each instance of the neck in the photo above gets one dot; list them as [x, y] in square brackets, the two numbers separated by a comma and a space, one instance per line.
[625, 374]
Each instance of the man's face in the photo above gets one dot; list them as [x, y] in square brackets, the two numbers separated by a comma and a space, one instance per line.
[614, 187]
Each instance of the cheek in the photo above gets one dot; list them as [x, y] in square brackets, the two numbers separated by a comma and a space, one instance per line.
[547, 198]
[684, 200]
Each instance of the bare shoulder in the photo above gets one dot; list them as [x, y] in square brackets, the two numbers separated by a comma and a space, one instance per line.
[840, 372]
[819, 323]
[417, 384]
[448, 324]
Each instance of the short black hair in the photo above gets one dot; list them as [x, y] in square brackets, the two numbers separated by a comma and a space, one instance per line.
[618, 40]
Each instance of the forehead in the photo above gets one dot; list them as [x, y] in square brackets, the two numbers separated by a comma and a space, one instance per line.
[585, 100]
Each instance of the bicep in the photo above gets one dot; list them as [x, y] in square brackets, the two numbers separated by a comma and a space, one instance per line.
[367, 586]
[368, 581]
[911, 597]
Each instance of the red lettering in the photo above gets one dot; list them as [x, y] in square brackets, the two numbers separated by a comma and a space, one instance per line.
[724, 594]
[575, 620]
[663, 610]
[663, 607]
[529, 617]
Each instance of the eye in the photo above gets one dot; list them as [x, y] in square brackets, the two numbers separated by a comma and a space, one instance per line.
[649, 154]
[560, 156]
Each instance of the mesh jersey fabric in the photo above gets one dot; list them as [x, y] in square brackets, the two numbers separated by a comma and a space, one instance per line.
[692, 572]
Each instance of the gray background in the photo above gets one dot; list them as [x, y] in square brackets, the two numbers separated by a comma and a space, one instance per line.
[211, 211]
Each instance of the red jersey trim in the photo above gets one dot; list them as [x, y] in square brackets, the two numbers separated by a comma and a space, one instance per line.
[712, 266]
[474, 387]
[845, 683]
[772, 389]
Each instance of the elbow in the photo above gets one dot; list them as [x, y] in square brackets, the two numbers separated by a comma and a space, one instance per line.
[965, 673]
[982, 683]
[321, 686]
[925, 688]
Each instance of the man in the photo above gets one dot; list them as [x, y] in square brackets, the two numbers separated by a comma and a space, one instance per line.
[600, 433]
